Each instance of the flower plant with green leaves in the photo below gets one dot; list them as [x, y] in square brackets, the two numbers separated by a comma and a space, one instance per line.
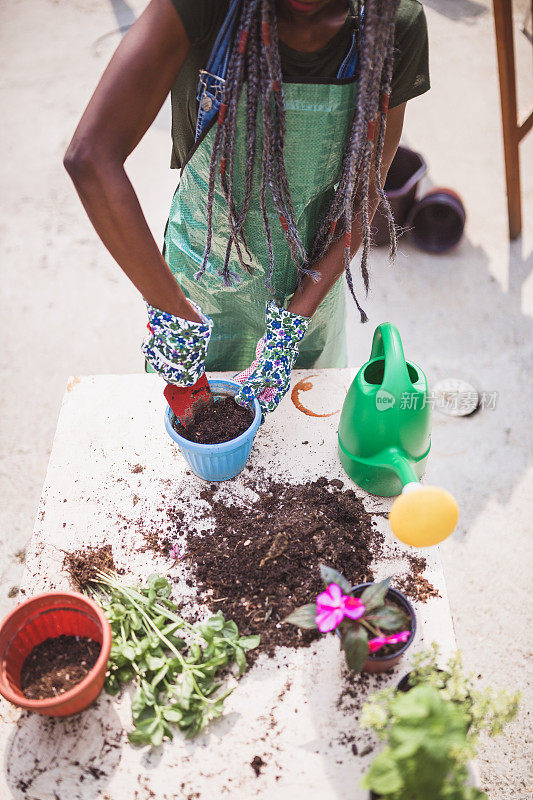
[174, 665]
[354, 617]
[487, 709]
[426, 753]
[431, 730]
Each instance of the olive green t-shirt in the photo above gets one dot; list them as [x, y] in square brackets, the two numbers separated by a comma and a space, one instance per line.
[202, 20]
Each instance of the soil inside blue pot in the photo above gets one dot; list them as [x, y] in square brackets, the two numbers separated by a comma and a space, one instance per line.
[222, 421]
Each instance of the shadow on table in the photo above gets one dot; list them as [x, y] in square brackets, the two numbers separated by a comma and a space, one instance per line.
[72, 758]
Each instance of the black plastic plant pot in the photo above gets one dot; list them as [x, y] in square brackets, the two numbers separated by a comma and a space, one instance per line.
[403, 685]
[405, 173]
[436, 223]
[377, 663]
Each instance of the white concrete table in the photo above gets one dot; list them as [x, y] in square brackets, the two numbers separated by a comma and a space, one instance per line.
[112, 468]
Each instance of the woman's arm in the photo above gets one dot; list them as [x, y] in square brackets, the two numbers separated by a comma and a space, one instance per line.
[126, 101]
[311, 293]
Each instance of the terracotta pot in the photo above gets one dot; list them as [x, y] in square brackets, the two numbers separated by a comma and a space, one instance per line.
[47, 616]
[376, 663]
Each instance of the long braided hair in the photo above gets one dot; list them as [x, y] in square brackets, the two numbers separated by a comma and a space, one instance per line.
[255, 60]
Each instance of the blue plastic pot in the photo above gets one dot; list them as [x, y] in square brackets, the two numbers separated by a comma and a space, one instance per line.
[217, 462]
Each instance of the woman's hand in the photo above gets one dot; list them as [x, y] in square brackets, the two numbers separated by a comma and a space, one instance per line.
[176, 348]
[268, 379]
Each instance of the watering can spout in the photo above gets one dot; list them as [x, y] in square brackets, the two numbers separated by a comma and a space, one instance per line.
[402, 466]
[423, 515]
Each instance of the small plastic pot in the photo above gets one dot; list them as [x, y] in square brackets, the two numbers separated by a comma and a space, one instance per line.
[436, 223]
[217, 462]
[47, 616]
[405, 173]
[377, 663]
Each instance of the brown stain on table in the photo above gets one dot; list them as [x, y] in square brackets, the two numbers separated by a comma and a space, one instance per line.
[72, 383]
[304, 385]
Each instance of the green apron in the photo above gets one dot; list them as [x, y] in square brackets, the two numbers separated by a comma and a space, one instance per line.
[319, 117]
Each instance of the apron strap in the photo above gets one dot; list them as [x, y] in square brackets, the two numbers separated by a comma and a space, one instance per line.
[349, 65]
[213, 77]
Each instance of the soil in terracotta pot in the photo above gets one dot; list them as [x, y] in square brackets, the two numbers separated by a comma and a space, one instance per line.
[262, 561]
[83, 565]
[57, 665]
[220, 422]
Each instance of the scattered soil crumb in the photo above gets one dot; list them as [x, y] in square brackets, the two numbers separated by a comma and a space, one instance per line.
[257, 764]
[268, 554]
[20, 555]
[414, 584]
[356, 688]
[56, 665]
[161, 541]
[82, 565]
[13, 592]
[220, 422]
[137, 468]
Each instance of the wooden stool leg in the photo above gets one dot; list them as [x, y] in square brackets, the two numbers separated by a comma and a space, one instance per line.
[503, 21]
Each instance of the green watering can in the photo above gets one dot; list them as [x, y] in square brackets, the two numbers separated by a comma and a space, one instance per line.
[385, 438]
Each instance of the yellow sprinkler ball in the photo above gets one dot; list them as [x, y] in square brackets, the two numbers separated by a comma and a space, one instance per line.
[423, 515]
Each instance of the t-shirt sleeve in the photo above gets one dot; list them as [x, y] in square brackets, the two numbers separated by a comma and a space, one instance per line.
[410, 76]
[201, 18]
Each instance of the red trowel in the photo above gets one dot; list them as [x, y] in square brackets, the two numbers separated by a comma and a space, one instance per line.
[185, 401]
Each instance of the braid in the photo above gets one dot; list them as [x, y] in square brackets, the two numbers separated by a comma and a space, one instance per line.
[255, 60]
[383, 107]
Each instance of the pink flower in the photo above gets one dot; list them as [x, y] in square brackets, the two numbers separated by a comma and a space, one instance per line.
[394, 638]
[332, 606]
[176, 552]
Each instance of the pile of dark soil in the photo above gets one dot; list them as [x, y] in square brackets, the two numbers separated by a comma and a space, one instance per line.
[220, 422]
[82, 565]
[56, 665]
[262, 561]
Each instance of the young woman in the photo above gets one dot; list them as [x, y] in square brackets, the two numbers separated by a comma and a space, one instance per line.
[286, 115]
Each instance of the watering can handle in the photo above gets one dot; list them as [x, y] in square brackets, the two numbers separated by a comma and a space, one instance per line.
[387, 344]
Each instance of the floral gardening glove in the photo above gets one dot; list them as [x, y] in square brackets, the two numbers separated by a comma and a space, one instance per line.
[269, 376]
[176, 348]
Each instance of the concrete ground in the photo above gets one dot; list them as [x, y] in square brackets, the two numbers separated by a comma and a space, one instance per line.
[68, 310]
